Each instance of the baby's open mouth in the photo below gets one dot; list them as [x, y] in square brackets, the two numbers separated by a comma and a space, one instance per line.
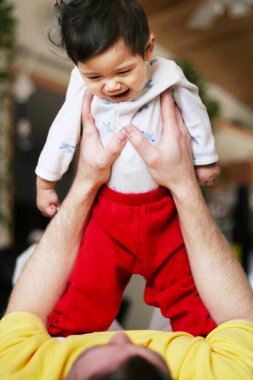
[123, 96]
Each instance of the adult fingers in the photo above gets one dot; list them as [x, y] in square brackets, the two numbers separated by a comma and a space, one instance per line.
[86, 108]
[179, 119]
[168, 111]
[139, 142]
[111, 151]
[89, 128]
[171, 116]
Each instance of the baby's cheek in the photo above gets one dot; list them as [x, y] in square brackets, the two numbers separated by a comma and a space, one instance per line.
[93, 89]
[139, 81]
[139, 85]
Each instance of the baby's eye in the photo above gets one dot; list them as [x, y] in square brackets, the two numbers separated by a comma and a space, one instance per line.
[124, 72]
[94, 78]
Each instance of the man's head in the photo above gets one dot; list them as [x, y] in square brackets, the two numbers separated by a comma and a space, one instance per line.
[119, 359]
[89, 27]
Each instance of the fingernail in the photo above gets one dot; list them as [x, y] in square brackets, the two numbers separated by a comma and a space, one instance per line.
[121, 136]
[129, 129]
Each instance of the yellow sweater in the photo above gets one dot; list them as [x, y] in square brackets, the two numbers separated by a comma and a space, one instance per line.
[28, 352]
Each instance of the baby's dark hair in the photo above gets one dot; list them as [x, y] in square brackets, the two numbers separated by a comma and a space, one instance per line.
[89, 27]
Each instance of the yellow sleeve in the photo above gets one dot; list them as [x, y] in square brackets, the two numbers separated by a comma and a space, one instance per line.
[28, 352]
[225, 354]
[232, 350]
[21, 335]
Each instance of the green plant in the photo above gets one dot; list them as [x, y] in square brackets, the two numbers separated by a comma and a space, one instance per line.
[7, 38]
[7, 43]
[212, 106]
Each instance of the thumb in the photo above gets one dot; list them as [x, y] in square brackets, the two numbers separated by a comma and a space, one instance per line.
[86, 108]
[168, 111]
[89, 127]
[140, 143]
[114, 148]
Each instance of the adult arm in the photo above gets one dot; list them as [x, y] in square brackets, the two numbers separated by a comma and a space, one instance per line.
[45, 276]
[217, 273]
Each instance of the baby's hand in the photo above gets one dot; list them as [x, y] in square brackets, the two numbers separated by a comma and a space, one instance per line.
[47, 202]
[47, 199]
[207, 174]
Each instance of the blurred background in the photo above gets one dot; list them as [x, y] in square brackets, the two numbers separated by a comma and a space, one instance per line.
[212, 41]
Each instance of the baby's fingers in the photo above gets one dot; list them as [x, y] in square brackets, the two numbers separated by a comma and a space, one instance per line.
[51, 210]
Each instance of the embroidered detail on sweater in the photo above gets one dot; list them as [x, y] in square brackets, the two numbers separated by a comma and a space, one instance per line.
[148, 84]
[196, 138]
[107, 125]
[153, 61]
[67, 147]
[148, 136]
[144, 107]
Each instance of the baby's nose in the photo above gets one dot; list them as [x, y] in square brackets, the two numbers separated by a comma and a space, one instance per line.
[112, 85]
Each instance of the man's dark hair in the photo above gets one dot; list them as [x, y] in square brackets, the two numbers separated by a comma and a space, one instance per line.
[135, 368]
[89, 27]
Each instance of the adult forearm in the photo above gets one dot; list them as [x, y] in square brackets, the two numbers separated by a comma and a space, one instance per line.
[217, 273]
[219, 278]
[45, 276]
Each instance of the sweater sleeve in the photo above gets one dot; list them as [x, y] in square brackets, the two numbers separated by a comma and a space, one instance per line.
[196, 120]
[64, 133]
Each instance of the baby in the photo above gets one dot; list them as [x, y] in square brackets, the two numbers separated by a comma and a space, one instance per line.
[130, 96]
[134, 226]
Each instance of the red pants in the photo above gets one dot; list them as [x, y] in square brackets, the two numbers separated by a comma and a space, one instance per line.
[130, 234]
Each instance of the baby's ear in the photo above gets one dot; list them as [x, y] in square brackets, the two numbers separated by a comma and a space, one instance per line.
[150, 48]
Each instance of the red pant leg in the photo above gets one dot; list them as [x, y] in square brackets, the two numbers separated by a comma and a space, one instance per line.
[130, 234]
[96, 284]
[170, 285]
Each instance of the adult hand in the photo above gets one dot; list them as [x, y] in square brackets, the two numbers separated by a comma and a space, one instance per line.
[170, 161]
[95, 160]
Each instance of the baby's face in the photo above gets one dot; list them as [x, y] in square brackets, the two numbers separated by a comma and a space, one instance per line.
[116, 74]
